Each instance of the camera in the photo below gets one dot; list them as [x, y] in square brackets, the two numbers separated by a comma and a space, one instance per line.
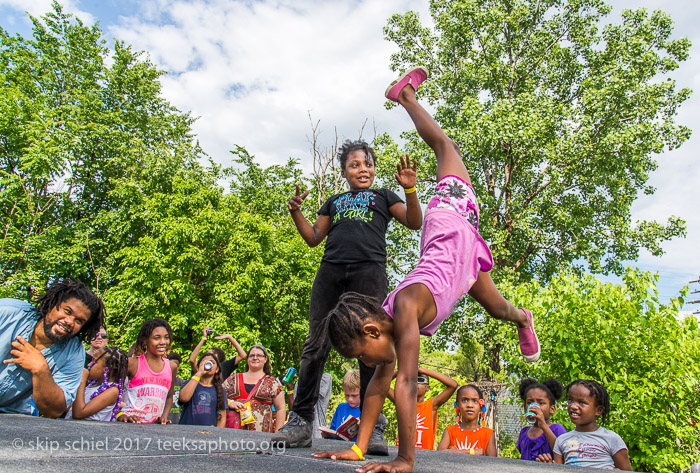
[210, 330]
[208, 365]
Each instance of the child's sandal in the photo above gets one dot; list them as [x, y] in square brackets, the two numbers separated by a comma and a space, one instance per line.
[415, 77]
[527, 337]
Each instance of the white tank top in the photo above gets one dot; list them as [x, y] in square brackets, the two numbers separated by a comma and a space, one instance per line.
[105, 415]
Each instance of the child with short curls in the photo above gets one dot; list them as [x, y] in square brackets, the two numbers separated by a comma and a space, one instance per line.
[590, 445]
[535, 442]
[102, 387]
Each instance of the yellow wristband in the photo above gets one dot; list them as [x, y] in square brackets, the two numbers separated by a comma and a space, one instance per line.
[196, 378]
[410, 190]
[357, 450]
[119, 414]
[471, 451]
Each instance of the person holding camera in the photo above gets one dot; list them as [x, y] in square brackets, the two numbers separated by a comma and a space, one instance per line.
[227, 366]
[203, 399]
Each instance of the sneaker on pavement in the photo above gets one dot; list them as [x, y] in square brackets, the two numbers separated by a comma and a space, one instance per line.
[296, 433]
[377, 443]
[529, 344]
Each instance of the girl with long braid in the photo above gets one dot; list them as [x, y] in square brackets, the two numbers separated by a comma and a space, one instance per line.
[102, 388]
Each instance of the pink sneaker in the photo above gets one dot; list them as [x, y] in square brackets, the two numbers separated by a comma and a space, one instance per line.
[529, 344]
[414, 77]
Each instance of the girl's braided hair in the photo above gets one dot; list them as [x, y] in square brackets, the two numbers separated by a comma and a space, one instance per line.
[552, 388]
[344, 324]
[67, 288]
[116, 373]
[350, 146]
[598, 391]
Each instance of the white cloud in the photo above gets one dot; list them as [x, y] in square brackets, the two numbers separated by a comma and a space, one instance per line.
[37, 8]
[251, 71]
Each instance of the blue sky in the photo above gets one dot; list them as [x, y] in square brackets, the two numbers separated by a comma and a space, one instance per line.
[253, 71]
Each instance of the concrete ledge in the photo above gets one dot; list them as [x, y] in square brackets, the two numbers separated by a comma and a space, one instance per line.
[36, 444]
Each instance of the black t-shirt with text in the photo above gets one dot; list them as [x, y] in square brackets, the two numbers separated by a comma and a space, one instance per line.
[359, 220]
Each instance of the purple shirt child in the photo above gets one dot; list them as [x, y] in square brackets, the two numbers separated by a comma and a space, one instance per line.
[532, 448]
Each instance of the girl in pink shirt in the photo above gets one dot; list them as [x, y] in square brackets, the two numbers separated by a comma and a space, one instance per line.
[150, 392]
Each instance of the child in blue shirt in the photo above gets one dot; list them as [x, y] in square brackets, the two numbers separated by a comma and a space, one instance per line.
[351, 389]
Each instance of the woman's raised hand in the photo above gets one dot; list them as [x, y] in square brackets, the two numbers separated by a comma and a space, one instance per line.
[405, 173]
[296, 201]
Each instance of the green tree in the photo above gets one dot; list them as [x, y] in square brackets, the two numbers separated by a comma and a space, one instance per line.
[74, 130]
[623, 337]
[205, 260]
[102, 179]
[558, 118]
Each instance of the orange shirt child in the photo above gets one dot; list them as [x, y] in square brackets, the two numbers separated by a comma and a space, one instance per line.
[466, 439]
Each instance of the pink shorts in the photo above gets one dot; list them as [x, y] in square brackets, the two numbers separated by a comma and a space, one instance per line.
[452, 254]
[453, 192]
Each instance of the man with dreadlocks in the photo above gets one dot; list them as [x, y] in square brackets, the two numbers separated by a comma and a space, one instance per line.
[41, 347]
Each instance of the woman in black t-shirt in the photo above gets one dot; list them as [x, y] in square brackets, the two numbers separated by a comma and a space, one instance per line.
[355, 222]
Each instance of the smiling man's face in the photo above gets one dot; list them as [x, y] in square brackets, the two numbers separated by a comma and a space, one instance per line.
[66, 320]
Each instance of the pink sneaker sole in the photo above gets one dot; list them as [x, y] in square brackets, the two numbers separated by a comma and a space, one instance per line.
[414, 77]
[529, 344]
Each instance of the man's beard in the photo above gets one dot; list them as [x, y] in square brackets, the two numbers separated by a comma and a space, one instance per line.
[50, 334]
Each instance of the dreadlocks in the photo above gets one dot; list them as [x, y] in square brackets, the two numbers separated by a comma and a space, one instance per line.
[64, 289]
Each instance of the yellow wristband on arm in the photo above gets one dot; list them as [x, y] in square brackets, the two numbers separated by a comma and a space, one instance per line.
[196, 378]
[357, 450]
[471, 451]
[410, 190]
[119, 414]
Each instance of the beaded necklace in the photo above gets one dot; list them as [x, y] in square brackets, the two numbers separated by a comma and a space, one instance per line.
[459, 424]
[104, 386]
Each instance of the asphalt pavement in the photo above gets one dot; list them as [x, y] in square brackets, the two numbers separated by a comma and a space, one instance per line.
[37, 444]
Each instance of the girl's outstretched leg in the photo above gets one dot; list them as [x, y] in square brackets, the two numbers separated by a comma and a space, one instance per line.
[449, 162]
[484, 291]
